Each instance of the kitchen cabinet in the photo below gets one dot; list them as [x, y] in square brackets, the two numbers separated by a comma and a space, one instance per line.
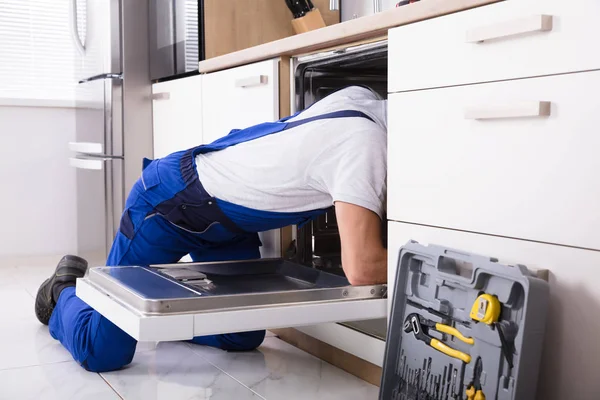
[236, 99]
[177, 115]
[240, 97]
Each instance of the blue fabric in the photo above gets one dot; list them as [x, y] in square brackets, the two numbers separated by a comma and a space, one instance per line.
[167, 215]
[252, 220]
[95, 342]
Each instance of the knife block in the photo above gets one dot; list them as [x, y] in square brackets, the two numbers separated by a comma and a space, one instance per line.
[311, 21]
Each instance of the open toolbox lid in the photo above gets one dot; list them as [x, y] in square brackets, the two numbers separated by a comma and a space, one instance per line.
[459, 320]
[183, 300]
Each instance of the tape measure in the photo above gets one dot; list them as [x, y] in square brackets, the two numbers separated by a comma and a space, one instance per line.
[486, 309]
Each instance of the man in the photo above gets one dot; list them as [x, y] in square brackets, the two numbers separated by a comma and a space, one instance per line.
[210, 202]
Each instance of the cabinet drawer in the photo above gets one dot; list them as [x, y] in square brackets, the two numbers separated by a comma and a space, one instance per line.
[571, 351]
[461, 158]
[240, 97]
[518, 43]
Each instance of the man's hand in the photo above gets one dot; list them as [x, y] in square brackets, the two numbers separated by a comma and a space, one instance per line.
[364, 258]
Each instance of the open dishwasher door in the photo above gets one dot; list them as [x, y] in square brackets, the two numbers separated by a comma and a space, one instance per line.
[180, 301]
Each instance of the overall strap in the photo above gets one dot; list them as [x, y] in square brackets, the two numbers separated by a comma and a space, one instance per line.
[334, 114]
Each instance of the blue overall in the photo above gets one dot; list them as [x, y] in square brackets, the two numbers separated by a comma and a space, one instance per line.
[168, 215]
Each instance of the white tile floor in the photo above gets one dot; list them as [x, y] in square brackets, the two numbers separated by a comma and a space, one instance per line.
[34, 366]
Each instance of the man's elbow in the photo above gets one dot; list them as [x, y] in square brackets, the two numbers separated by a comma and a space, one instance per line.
[358, 279]
[366, 273]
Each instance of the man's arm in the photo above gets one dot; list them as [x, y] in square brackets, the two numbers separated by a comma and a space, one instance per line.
[364, 258]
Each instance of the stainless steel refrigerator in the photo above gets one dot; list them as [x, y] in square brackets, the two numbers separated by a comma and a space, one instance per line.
[113, 114]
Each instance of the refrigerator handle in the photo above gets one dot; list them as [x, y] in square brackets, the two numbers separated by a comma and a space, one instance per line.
[110, 75]
[82, 163]
[74, 28]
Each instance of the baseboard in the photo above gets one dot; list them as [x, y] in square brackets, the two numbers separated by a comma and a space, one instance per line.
[356, 366]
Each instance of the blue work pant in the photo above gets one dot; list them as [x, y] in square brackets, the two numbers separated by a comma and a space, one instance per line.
[99, 345]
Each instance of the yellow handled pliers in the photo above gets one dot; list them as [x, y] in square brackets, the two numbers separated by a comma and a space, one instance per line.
[474, 391]
[420, 326]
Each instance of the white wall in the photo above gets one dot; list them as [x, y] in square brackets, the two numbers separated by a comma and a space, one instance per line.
[37, 185]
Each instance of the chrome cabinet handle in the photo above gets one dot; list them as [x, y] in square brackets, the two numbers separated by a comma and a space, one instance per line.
[101, 77]
[334, 5]
[519, 110]
[161, 96]
[535, 23]
[251, 81]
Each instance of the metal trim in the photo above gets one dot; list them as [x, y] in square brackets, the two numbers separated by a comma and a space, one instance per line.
[205, 303]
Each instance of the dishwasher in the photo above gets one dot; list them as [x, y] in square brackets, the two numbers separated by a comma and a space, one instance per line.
[307, 287]
[317, 244]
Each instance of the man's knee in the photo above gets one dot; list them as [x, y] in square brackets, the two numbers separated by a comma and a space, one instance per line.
[112, 349]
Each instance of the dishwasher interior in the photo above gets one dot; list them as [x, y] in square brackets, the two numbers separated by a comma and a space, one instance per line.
[317, 244]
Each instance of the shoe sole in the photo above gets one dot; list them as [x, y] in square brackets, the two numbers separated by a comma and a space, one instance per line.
[42, 311]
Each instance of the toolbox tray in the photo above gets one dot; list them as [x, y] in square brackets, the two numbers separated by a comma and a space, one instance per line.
[448, 282]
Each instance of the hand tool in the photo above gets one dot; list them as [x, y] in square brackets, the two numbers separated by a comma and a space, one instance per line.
[443, 382]
[453, 385]
[474, 391]
[448, 380]
[422, 382]
[419, 326]
[487, 309]
[437, 387]
[437, 313]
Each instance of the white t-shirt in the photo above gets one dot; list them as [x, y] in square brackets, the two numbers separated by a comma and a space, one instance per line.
[311, 166]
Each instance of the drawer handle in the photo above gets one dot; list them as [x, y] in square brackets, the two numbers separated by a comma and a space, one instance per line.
[251, 81]
[161, 96]
[535, 23]
[521, 110]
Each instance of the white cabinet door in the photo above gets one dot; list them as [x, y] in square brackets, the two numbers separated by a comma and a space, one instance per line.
[177, 115]
[516, 159]
[240, 97]
[571, 352]
[236, 99]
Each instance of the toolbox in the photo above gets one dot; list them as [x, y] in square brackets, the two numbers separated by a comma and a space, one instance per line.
[463, 326]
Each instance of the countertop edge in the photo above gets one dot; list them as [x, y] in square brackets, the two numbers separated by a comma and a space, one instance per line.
[345, 32]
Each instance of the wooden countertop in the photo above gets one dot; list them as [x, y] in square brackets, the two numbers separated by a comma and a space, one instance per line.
[338, 34]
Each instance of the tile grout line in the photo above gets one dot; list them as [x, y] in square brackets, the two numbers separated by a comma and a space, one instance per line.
[34, 365]
[225, 372]
[110, 386]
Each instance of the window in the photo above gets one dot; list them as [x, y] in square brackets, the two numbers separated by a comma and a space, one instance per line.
[37, 55]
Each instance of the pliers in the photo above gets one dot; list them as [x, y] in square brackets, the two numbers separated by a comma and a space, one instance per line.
[474, 391]
[420, 326]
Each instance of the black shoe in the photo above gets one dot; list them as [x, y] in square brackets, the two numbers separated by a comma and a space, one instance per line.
[68, 270]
